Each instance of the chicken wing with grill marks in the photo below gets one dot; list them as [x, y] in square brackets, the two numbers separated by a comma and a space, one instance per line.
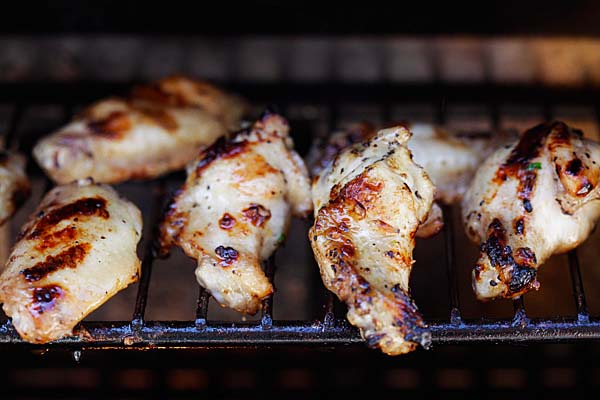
[159, 128]
[235, 208]
[75, 252]
[369, 203]
[531, 199]
[14, 185]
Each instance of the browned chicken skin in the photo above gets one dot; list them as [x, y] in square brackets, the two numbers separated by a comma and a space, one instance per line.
[157, 129]
[369, 203]
[529, 200]
[76, 251]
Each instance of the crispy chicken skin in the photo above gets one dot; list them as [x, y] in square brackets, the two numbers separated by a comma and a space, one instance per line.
[369, 203]
[76, 251]
[531, 199]
[449, 160]
[234, 210]
[14, 185]
[157, 129]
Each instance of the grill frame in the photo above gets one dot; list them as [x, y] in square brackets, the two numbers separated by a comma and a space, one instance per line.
[332, 329]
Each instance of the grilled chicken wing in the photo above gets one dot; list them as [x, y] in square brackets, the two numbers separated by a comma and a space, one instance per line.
[235, 208]
[75, 252]
[450, 161]
[369, 203]
[529, 200]
[158, 129]
[14, 185]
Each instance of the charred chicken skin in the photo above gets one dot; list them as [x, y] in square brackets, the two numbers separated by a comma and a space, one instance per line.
[75, 252]
[369, 203]
[531, 199]
[157, 129]
[234, 210]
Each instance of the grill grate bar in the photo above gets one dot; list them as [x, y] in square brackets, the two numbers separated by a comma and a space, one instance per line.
[202, 308]
[520, 317]
[330, 299]
[455, 318]
[183, 334]
[583, 315]
[11, 138]
[266, 320]
[137, 321]
[329, 310]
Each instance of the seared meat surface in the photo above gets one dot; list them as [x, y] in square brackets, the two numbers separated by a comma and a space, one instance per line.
[234, 210]
[76, 251]
[531, 199]
[14, 185]
[157, 129]
[369, 203]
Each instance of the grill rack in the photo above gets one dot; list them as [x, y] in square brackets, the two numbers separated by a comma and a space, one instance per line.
[332, 329]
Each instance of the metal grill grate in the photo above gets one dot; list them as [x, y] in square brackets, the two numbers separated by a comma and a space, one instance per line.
[331, 329]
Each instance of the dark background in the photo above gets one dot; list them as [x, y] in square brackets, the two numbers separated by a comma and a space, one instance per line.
[577, 17]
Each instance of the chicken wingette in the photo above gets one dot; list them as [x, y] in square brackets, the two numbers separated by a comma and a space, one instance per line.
[234, 210]
[531, 199]
[76, 251]
[157, 129]
[369, 203]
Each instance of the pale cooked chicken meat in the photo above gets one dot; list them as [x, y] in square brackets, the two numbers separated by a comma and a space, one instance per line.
[369, 203]
[450, 161]
[14, 185]
[235, 208]
[157, 129]
[531, 199]
[76, 251]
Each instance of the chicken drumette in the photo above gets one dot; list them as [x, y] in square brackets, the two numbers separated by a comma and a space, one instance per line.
[369, 204]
